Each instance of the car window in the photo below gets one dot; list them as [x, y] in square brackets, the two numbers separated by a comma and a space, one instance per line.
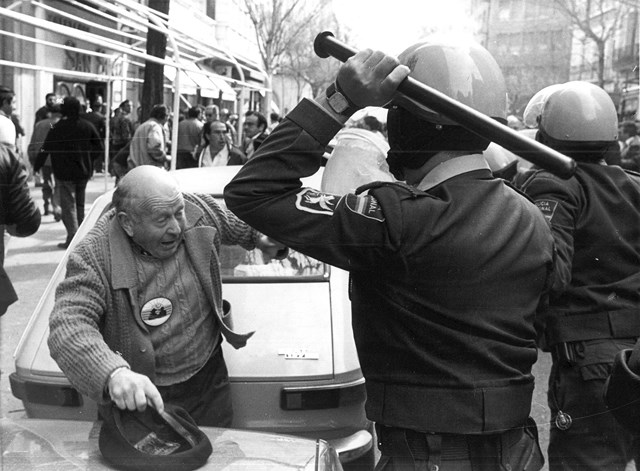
[238, 264]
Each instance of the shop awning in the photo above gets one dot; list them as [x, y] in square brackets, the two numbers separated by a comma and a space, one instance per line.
[228, 93]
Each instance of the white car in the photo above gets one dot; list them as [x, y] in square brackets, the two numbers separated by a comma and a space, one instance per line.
[29, 444]
[299, 374]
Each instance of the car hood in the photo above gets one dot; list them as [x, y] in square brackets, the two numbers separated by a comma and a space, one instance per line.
[69, 444]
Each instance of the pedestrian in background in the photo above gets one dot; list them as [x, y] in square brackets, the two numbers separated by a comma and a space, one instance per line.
[218, 150]
[99, 121]
[72, 144]
[7, 108]
[149, 143]
[189, 136]
[255, 132]
[594, 308]
[122, 127]
[45, 111]
[446, 270]
[19, 215]
[40, 132]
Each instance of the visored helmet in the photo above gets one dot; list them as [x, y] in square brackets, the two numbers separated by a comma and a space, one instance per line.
[461, 70]
[573, 112]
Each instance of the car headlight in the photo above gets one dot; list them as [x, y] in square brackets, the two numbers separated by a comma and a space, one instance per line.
[326, 458]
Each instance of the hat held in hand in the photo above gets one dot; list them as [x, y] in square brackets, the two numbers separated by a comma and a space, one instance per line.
[133, 440]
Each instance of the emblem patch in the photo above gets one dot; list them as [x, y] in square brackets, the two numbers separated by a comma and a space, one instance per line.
[313, 201]
[548, 208]
[366, 206]
[156, 312]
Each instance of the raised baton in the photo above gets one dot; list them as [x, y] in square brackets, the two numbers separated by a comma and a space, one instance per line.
[326, 45]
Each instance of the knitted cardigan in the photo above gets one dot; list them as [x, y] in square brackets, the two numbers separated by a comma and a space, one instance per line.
[95, 327]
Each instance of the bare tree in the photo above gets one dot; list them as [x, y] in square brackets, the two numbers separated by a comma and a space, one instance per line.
[597, 21]
[278, 24]
[301, 62]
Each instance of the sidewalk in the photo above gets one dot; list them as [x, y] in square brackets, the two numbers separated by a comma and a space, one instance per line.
[30, 263]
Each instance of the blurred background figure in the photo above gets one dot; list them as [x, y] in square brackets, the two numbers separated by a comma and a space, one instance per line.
[629, 146]
[189, 136]
[255, 132]
[40, 131]
[149, 143]
[44, 111]
[7, 107]
[99, 121]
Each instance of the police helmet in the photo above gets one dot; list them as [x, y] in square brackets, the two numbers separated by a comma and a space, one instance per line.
[462, 70]
[573, 112]
[459, 69]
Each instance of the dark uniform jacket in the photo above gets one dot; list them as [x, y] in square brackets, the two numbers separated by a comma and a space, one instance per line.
[17, 211]
[445, 280]
[595, 219]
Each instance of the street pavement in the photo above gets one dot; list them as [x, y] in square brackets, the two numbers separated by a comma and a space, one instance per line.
[31, 261]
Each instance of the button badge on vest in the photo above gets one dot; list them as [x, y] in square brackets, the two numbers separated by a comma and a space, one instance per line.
[156, 311]
[563, 420]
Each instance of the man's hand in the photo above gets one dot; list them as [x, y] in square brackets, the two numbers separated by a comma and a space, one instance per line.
[371, 78]
[272, 248]
[131, 390]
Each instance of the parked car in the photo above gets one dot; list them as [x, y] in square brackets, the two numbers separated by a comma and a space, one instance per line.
[299, 374]
[29, 444]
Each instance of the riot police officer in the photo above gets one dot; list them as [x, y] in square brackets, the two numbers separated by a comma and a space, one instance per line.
[446, 269]
[595, 305]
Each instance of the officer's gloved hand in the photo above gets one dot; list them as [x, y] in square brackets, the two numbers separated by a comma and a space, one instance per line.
[371, 78]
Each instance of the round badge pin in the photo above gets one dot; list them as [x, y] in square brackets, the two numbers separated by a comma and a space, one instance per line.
[156, 311]
[563, 420]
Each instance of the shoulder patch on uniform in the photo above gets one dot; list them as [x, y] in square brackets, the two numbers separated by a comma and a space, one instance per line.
[548, 208]
[314, 201]
[366, 206]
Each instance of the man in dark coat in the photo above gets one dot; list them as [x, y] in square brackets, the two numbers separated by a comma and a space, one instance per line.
[72, 144]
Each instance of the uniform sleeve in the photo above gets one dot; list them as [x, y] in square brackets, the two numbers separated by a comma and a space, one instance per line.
[348, 231]
[75, 340]
[559, 201]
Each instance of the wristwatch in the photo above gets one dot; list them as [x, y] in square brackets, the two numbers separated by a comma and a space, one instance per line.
[338, 102]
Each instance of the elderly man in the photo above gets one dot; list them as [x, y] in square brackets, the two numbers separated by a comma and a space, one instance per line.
[139, 315]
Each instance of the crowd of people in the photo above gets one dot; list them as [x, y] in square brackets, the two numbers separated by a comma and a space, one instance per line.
[458, 277]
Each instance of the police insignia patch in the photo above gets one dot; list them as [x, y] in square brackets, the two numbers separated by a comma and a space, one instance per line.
[156, 311]
[366, 206]
[313, 201]
[548, 208]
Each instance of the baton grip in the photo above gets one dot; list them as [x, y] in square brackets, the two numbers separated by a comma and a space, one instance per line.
[326, 45]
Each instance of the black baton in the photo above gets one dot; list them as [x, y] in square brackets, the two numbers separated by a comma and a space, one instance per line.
[326, 45]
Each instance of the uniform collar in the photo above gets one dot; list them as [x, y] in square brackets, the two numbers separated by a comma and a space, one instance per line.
[451, 168]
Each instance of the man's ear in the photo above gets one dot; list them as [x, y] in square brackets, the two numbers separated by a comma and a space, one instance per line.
[126, 223]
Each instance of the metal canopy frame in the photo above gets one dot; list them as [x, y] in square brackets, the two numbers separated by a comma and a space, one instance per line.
[184, 53]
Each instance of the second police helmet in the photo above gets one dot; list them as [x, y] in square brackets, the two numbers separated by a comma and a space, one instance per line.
[573, 116]
[462, 70]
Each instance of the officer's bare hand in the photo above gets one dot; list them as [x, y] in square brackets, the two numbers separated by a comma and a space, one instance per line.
[371, 78]
[131, 390]
[272, 248]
